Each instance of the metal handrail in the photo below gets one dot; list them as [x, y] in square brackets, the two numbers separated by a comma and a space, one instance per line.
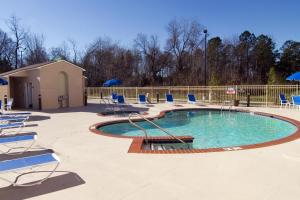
[223, 105]
[108, 103]
[151, 122]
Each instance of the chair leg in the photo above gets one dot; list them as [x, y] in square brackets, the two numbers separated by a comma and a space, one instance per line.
[37, 182]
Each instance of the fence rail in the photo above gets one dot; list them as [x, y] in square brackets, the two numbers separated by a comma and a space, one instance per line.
[260, 95]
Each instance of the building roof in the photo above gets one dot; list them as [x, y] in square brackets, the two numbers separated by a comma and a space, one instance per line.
[36, 66]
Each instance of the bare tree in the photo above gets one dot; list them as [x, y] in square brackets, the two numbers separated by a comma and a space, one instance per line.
[35, 50]
[185, 37]
[19, 35]
[151, 53]
[75, 51]
[61, 52]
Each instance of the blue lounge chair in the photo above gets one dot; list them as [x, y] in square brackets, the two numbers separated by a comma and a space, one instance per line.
[191, 98]
[114, 97]
[14, 118]
[169, 98]
[142, 99]
[296, 101]
[19, 125]
[10, 139]
[14, 114]
[28, 162]
[283, 101]
[121, 100]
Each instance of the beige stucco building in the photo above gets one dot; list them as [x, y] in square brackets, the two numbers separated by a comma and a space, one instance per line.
[51, 84]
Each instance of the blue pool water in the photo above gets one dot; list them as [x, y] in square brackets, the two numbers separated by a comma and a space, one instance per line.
[212, 128]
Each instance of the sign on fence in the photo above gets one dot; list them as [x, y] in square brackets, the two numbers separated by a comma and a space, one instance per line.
[230, 90]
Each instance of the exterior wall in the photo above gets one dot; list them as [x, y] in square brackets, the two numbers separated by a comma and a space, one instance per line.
[49, 85]
[3, 91]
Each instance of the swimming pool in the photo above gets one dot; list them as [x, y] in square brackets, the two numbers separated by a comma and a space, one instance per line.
[211, 128]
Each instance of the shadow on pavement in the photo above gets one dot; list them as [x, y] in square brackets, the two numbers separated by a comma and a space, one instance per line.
[53, 184]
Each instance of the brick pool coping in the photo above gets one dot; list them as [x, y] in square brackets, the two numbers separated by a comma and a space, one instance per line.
[138, 141]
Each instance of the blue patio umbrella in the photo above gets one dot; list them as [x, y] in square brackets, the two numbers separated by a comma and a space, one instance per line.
[3, 81]
[112, 82]
[294, 77]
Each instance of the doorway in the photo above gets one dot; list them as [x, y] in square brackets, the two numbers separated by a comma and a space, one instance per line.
[63, 92]
[28, 95]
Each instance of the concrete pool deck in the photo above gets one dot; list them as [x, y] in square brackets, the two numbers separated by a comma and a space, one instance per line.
[110, 173]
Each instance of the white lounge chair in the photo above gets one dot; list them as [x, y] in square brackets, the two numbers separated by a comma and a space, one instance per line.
[18, 125]
[9, 140]
[28, 162]
[9, 104]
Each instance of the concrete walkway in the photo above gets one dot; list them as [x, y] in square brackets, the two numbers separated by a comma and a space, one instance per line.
[110, 173]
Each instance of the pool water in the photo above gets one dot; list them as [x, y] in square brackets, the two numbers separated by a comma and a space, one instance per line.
[212, 128]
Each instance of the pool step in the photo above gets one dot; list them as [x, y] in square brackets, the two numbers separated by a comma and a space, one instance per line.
[167, 146]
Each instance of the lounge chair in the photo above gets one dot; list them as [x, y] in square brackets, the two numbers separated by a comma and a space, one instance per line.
[142, 99]
[191, 99]
[283, 101]
[9, 104]
[114, 97]
[2, 114]
[169, 98]
[28, 162]
[296, 101]
[121, 100]
[19, 125]
[13, 118]
[8, 140]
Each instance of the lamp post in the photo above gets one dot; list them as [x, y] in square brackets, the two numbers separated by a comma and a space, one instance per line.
[22, 50]
[205, 54]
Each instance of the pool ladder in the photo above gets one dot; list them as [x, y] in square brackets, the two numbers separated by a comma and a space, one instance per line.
[224, 104]
[155, 125]
[109, 104]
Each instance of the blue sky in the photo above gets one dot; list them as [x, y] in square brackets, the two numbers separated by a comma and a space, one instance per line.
[122, 20]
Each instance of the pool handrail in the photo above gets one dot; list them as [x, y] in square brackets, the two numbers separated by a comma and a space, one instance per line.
[154, 124]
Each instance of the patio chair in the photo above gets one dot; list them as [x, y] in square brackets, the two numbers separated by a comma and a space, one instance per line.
[28, 162]
[191, 99]
[9, 104]
[8, 140]
[114, 97]
[169, 98]
[142, 99]
[13, 118]
[296, 101]
[19, 125]
[2, 114]
[283, 101]
[121, 100]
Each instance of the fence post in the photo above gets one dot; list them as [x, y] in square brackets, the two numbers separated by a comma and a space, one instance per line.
[266, 95]
[136, 93]
[236, 92]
